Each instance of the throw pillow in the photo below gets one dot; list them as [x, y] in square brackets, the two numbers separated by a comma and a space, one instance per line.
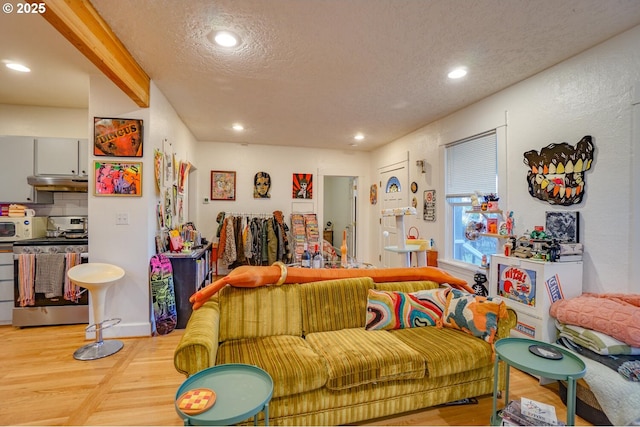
[473, 314]
[396, 310]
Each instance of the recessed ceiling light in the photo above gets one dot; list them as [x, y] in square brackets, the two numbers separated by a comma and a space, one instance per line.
[457, 73]
[18, 67]
[225, 38]
[238, 127]
[358, 137]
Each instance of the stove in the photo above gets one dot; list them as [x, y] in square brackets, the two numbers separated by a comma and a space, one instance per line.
[51, 245]
[42, 295]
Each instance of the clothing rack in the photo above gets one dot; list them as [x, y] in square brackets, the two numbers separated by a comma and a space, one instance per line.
[255, 238]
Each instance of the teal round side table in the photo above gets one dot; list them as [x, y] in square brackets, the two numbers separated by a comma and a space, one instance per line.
[515, 352]
[242, 391]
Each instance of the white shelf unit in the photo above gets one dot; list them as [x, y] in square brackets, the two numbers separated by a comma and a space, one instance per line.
[530, 287]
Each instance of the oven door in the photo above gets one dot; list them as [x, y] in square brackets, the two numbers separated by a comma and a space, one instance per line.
[8, 230]
[39, 301]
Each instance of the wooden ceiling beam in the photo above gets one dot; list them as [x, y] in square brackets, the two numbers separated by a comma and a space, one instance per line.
[80, 23]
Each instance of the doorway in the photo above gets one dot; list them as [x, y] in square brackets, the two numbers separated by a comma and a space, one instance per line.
[340, 212]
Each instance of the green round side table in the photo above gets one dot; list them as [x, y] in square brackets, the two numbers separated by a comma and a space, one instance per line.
[242, 391]
[515, 352]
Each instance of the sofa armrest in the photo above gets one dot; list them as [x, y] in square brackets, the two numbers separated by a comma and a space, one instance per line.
[506, 324]
[199, 345]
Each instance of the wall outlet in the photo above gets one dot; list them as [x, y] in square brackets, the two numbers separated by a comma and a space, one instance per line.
[122, 218]
[205, 201]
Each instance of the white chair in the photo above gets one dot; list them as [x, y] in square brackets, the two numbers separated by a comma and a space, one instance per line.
[97, 278]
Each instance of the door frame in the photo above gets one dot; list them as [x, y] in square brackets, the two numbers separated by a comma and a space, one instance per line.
[385, 257]
[362, 242]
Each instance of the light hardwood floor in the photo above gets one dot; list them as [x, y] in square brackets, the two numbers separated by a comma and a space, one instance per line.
[42, 384]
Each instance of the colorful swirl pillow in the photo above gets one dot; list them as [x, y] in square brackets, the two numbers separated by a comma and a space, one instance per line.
[473, 314]
[397, 310]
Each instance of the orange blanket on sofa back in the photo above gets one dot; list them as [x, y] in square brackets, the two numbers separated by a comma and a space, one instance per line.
[617, 315]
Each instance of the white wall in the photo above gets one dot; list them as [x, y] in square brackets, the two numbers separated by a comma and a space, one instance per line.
[43, 121]
[589, 94]
[131, 246]
[281, 163]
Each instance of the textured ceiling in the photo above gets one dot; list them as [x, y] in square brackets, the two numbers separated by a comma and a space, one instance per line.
[315, 72]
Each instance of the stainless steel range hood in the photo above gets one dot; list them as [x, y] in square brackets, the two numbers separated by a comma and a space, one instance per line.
[67, 183]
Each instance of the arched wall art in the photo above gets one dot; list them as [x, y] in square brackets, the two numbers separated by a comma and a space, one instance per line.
[557, 173]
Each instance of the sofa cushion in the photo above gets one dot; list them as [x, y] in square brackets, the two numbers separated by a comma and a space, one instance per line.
[408, 286]
[259, 312]
[292, 364]
[331, 305]
[396, 310]
[356, 356]
[473, 314]
[446, 351]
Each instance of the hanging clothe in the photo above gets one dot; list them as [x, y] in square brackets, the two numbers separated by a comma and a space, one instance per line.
[253, 241]
[229, 253]
[247, 239]
[220, 221]
[237, 227]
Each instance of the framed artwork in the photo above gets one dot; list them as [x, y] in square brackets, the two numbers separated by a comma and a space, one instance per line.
[118, 178]
[223, 185]
[302, 186]
[168, 162]
[563, 226]
[429, 206]
[373, 194]
[262, 186]
[117, 137]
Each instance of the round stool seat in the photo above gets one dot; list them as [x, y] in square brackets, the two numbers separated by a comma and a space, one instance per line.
[93, 275]
[97, 278]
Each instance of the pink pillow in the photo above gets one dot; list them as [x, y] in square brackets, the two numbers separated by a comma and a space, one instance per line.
[616, 315]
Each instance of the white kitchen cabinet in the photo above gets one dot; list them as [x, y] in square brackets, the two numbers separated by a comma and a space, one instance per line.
[6, 287]
[57, 156]
[16, 165]
[530, 287]
[83, 157]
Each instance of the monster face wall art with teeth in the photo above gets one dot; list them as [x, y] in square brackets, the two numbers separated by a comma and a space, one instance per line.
[557, 174]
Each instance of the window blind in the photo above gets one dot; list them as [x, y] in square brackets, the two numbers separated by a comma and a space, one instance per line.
[472, 165]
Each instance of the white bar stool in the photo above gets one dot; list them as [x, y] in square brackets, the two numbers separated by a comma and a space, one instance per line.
[97, 278]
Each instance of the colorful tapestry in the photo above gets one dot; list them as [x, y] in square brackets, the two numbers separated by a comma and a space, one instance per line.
[397, 310]
[475, 315]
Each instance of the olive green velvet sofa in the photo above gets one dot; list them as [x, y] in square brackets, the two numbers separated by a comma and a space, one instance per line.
[326, 367]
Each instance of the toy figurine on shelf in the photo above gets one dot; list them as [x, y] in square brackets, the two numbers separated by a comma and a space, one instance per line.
[475, 202]
[510, 223]
[554, 251]
[478, 287]
[539, 234]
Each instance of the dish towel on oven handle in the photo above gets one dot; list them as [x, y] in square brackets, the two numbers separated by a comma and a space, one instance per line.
[26, 275]
[50, 274]
[71, 291]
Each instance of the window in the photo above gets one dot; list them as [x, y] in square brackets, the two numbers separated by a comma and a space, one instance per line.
[471, 166]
